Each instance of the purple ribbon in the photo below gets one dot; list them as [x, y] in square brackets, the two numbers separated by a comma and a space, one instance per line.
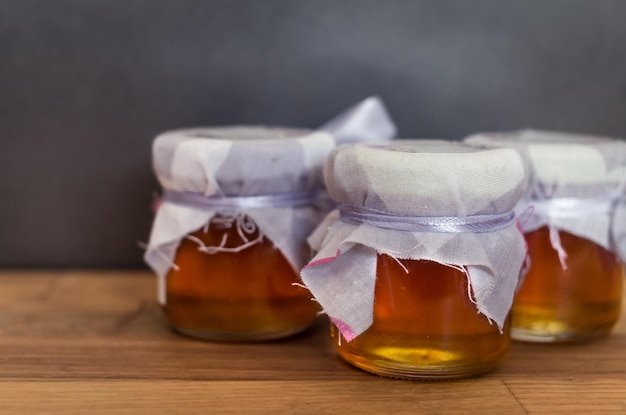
[439, 224]
[238, 203]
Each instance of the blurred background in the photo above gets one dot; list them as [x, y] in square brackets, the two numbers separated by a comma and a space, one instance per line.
[85, 85]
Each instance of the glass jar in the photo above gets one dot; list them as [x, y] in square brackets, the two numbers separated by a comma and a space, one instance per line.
[250, 294]
[580, 302]
[425, 326]
[572, 290]
[418, 265]
[228, 238]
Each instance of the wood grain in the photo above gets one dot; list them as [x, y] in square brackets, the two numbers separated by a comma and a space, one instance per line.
[86, 341]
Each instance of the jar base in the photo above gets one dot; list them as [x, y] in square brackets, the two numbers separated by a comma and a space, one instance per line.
[433, 372]
[539, 325]
[238, 337]
[552, 336]
[238, 321]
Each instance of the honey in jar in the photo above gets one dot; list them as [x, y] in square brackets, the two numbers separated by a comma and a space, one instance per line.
[580, 302]
[228, 238]
[425, 326]
[418, 265]
[573, 288]
[235, 295]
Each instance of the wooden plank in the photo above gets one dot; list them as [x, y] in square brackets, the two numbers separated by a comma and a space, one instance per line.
[377, 396]
[571, 396]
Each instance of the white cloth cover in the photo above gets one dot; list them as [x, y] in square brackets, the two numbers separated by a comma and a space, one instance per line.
[416, 178]
[576, 184]
[366, 121]
[236, 161]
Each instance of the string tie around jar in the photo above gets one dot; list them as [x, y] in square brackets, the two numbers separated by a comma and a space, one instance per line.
[571, 208]
[231, 210]
[246, 230]
[439, 224]
[574, 207]
[239, 203]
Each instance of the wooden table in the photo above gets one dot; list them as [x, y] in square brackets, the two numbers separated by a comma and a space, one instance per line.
[96, 342]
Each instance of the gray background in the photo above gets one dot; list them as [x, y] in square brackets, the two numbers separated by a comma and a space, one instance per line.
[85, 85]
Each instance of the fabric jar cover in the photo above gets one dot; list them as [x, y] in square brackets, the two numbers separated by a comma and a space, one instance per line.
[576, 184]
[236, 162]
[365, 121]
[412, 179]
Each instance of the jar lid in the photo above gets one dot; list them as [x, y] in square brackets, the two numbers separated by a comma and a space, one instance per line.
[560, 161]
[425, 178]
[241, 161]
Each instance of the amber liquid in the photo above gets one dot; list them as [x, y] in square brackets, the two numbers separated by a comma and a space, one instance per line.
[425, 326]
[239, 296]
[580, 303]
